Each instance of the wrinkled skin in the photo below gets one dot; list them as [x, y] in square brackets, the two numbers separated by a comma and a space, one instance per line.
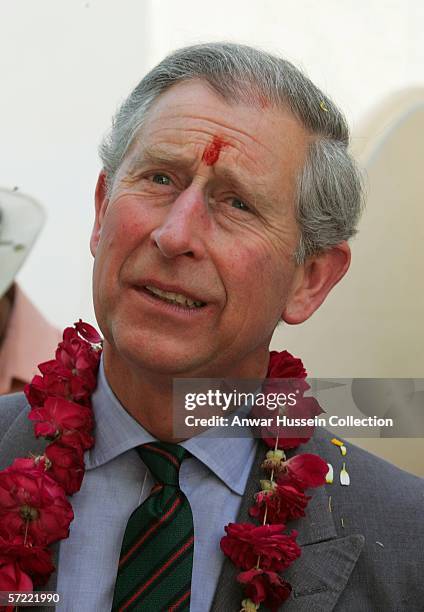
[223, 231]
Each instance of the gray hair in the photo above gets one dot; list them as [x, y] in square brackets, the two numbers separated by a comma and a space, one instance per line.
[329, 194]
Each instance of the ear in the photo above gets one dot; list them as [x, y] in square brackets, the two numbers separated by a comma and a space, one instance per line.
[313, 281]
[101, 202]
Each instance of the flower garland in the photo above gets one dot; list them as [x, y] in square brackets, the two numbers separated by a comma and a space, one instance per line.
[263, 551]
[35, 512]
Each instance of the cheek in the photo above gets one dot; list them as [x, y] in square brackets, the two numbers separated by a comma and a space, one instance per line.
[258, 274]
[254, 261]
[123, 229]
[122, 232]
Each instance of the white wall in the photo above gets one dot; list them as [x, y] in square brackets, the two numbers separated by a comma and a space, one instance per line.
[66, 65]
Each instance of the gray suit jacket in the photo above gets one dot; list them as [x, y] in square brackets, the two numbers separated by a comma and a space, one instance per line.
[371, 561]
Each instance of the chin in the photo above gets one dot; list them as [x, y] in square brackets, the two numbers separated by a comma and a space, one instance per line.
[147, 351]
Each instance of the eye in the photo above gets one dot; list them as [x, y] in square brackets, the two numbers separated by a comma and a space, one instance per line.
[236, 203]
[161, 179]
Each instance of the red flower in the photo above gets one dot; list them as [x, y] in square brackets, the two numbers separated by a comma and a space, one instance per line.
[34, 511]
[297, 386]
[88, 332]
[77, 355]
[69, 383]
[286, 443]
[13, 579]
[32, 503]
[72, 375]
[33, 560]
[284, 365]
[265, 587]
[34, 391]
[244, 542]
[58, 416]
[67, 463]
[304, 471]
[292, 436]
[284, 503]
[58, 381]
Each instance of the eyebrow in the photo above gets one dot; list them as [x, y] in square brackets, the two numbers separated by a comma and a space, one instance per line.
[156, 155]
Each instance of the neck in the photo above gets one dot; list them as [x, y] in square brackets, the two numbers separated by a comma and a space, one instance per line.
[148, 395]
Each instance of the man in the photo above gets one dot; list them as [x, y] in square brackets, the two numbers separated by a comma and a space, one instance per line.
[225, 203]
[26, 338]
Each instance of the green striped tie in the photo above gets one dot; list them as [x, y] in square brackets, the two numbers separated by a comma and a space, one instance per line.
[156, 561]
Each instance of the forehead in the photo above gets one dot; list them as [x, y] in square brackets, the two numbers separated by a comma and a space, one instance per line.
[197, 101]
[261, 141]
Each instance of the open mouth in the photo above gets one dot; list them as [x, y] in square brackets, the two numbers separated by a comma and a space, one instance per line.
[178, 299]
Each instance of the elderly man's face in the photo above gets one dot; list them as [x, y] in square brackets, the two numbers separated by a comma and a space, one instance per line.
[202, 206]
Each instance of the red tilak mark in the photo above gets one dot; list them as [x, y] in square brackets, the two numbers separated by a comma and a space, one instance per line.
[211, 153]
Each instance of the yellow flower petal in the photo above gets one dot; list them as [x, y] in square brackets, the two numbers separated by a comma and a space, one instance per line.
[248, 606]
[330, 474]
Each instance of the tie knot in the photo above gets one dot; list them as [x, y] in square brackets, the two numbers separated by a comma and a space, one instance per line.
[163, 460]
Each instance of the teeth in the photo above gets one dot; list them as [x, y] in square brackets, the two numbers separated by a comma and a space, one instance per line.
[174, 298]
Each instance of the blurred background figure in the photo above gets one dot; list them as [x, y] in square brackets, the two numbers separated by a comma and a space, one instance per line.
[26, 338]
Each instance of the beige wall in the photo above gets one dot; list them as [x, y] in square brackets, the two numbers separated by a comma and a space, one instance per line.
[371, 325]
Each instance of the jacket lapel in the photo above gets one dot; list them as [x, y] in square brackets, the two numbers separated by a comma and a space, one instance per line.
[322, 571]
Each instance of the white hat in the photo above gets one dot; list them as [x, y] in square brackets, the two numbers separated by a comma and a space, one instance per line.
[21, 219]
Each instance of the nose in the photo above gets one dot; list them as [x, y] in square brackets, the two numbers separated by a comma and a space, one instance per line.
[183, 226]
